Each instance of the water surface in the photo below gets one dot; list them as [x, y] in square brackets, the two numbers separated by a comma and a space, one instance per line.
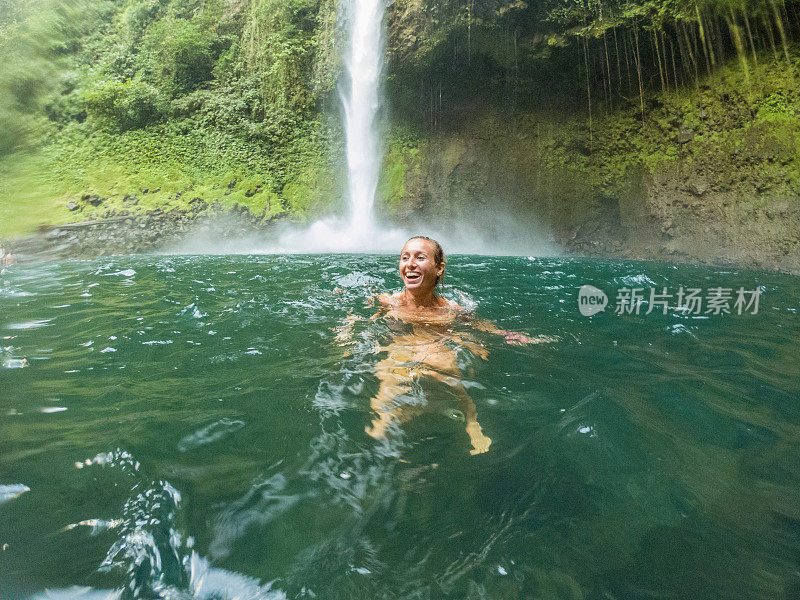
[190, 427]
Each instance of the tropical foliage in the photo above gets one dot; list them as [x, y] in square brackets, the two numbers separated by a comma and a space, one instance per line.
[254, 81]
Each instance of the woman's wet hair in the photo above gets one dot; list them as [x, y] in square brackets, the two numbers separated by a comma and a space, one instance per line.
[438, 254]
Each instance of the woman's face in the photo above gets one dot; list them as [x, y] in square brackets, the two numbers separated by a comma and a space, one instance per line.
[418, 267]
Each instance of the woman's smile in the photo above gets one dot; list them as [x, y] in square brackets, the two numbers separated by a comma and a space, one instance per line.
[418, 267]
[412, 277]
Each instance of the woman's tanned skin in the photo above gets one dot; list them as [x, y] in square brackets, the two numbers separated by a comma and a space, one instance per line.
[424, 348]
[425, 351]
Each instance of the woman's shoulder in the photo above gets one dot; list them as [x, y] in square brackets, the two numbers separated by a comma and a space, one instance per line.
[389, 299]
[449, 304]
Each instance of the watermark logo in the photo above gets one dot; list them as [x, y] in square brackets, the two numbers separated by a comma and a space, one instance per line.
[591, 300]
[688, 301]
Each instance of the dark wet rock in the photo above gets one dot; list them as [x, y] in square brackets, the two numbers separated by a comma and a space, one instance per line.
[71, 206]
[697, 186]
[685, 135]
[128, 232]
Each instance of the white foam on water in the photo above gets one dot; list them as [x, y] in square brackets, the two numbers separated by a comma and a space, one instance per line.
[15, 363]
[209, 434]
[15, 490]
[78, 593]
[29, 324]
[212, 583]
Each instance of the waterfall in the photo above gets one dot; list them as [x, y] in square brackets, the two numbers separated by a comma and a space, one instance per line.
[357, 230]
[361, 100]
[360, 93]
[487, 231]
[491, 232]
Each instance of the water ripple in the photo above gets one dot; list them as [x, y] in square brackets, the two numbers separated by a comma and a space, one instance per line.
[209, 434]
[626, 438]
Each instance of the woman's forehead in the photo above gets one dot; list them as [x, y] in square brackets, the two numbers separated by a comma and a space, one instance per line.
[418, 245]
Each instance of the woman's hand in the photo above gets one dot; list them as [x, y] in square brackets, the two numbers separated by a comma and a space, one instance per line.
[515, 338]
[344, 332]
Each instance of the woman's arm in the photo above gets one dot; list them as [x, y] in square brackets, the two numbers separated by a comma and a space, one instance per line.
[344, 332]
[515, 338]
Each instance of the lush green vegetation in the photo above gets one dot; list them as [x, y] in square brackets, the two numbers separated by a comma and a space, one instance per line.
[235, 101]
[606, 91]
[579, 54]
[190, 98]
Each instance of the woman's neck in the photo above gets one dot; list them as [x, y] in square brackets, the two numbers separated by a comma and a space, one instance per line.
[419, 300]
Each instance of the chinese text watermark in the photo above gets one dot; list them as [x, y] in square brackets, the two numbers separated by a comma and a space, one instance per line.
[686, 300]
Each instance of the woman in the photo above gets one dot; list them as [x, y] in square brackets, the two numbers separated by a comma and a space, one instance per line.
[6, 258]
[430, 348]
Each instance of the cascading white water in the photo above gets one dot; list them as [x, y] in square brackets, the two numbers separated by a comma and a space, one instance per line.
[361, 98]
[357, 231]
[364, 64]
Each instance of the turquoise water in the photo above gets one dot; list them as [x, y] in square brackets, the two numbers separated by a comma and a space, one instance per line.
[191, 427]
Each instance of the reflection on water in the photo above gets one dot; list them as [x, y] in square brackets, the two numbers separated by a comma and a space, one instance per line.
[194, 427]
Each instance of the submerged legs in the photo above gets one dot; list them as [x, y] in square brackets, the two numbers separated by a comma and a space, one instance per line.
[480, 442]
[392, 385]
[395, 381]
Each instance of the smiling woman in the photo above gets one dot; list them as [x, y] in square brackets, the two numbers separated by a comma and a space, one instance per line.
[430, 349]
[421, 268]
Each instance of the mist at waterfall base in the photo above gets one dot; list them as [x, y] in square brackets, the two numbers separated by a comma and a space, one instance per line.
[489, 233]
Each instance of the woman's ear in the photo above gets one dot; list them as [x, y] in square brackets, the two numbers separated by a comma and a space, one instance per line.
[440, 270]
